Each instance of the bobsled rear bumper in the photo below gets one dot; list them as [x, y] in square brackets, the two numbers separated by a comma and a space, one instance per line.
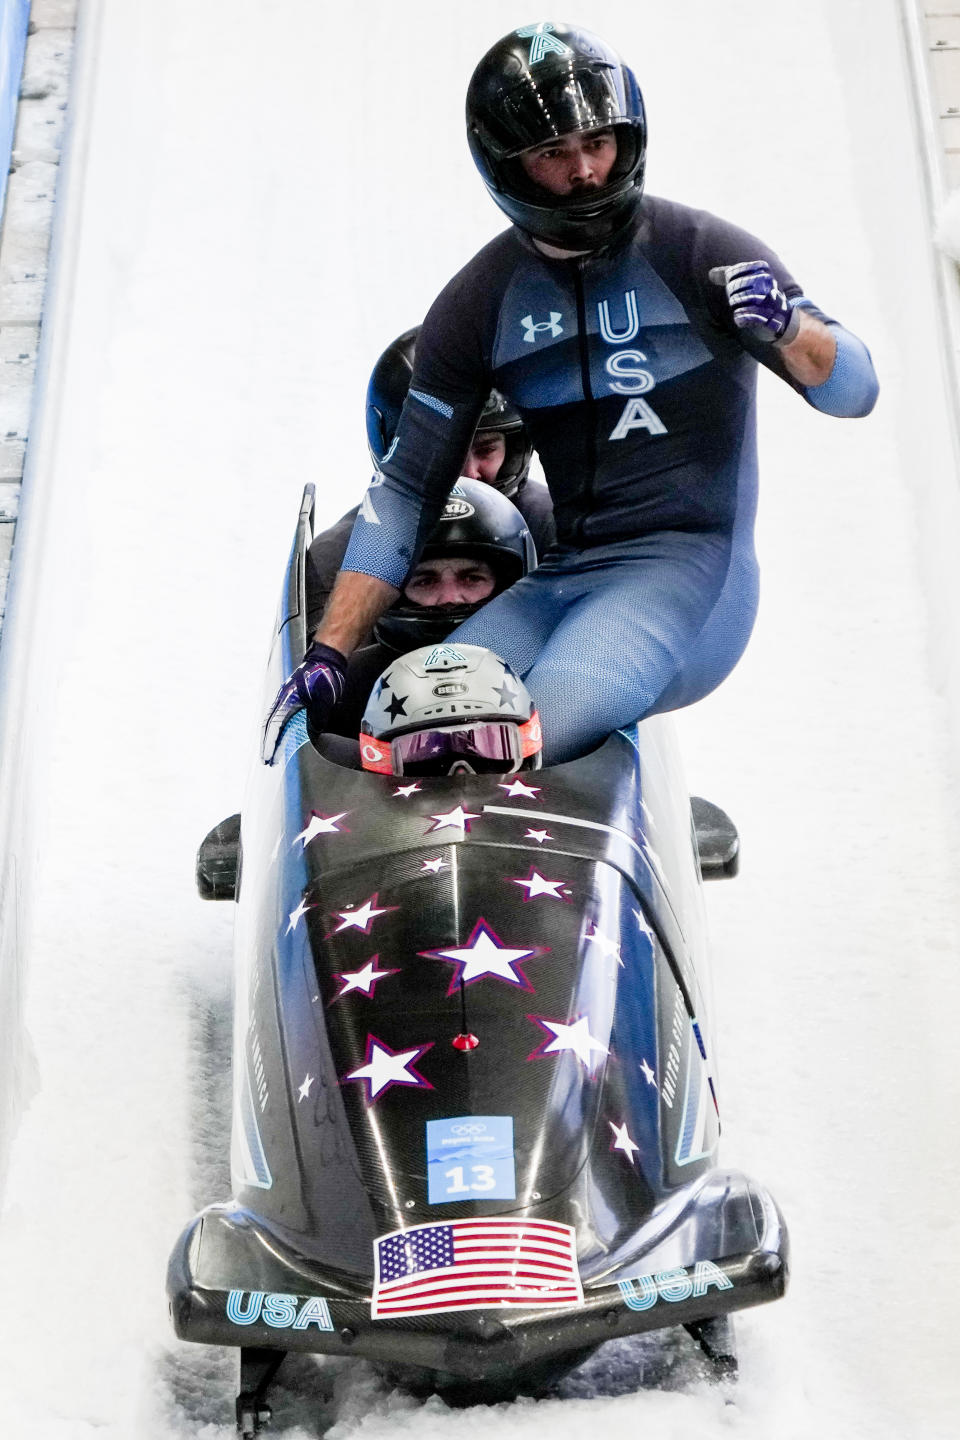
[231, 1282]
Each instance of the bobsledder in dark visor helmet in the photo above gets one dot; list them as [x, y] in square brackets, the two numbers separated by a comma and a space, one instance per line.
[450, 709]
[535, 85]
[387, 390]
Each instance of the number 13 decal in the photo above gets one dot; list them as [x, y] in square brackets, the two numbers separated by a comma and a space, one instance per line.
[481, 1178]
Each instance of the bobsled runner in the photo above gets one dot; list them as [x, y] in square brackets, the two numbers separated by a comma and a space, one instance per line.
[475, 1113]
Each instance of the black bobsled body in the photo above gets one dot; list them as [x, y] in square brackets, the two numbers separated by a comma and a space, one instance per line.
[475, 1101]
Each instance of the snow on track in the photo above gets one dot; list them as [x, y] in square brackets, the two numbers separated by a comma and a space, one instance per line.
[255, 225]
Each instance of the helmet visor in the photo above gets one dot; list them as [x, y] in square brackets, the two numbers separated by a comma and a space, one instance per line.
[582, 98]
[485, 748]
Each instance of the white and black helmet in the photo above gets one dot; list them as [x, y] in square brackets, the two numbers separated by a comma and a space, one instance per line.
[446, 709]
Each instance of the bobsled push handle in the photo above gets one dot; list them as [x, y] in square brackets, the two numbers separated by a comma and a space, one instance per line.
[718, 843]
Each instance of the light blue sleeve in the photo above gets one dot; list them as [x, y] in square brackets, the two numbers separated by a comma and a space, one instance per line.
[851, 388]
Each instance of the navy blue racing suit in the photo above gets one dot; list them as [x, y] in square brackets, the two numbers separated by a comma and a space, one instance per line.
[639, 393]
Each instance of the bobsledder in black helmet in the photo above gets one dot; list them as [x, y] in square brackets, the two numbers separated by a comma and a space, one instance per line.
[542, 82]
[480, 524]
[387, 390]
[447, 710]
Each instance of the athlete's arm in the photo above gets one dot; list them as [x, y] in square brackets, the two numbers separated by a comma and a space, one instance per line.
[356, 602]
[811, 354]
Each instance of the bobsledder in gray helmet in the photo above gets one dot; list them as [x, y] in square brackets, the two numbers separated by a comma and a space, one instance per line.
[450, 709]
[387, 390]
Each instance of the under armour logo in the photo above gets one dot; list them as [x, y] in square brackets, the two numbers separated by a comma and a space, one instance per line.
[542, 42]
[531, 331]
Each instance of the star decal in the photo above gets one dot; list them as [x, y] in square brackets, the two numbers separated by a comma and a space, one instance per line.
[575, 1037]
[507, 696]
[396, 706]
[458, 819]
[365, 979]
[435, 865]
[622, 1140]
[484, 955]
[536, 884]
[517, 789]
[606, 944]
[405, 791]
[363, 916]
[384, 1067]
[648, 1074]
[320, 825]
[304, 1090]
[296, 916]
[382, 684]
[538, 835]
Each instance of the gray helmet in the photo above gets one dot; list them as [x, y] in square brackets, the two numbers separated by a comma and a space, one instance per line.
[478, 522]
[445, 709]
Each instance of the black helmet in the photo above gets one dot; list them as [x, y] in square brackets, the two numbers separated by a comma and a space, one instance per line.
[478, 522]
[387, 390]
[538, 83]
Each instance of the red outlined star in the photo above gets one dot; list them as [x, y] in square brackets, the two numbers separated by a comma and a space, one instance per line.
[456, 819]
[485, 956]
[517, 790]
[538, 835]
[536, 884]
[384, 1067]
[320, 825]
[575, 1037]
[364, 980]
[363, 916]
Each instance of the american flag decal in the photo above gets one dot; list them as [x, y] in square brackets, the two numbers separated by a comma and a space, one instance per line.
[471, 1264]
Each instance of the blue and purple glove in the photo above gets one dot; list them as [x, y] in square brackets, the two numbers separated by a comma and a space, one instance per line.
[756, 301]
[315, 686]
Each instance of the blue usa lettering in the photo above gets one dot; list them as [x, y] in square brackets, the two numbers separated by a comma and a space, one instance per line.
[643, 1292]
[280, 1312]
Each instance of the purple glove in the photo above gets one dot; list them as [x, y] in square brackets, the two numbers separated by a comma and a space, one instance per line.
[316, 685]
[758, 304]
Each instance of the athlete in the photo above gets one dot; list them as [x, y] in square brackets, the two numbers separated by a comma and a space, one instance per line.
[479, 547]
[499, 455]
[627, 330]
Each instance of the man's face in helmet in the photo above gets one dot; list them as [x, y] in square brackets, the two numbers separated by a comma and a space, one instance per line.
[450, 580]
[572, 163]
[487, 453]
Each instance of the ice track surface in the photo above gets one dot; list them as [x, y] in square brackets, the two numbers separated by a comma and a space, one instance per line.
[246, 227]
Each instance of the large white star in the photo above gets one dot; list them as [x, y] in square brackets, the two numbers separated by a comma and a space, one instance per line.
[297, 915]
[385, 1067]
[517, 788]
[575, 1037]
[537, 884]
[538, 835]
[364, 979]
[320, 825]
[304, 1090]
[363, 917]
[484, 955]
[649, 1076]
[435, 865]
[405, 791]
[607, 945]
[458, 819]
[623, 1141]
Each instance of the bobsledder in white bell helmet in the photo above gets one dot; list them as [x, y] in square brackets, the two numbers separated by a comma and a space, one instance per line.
[450, 709]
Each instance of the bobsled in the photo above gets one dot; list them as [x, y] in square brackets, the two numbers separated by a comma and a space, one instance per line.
[476, 1107]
